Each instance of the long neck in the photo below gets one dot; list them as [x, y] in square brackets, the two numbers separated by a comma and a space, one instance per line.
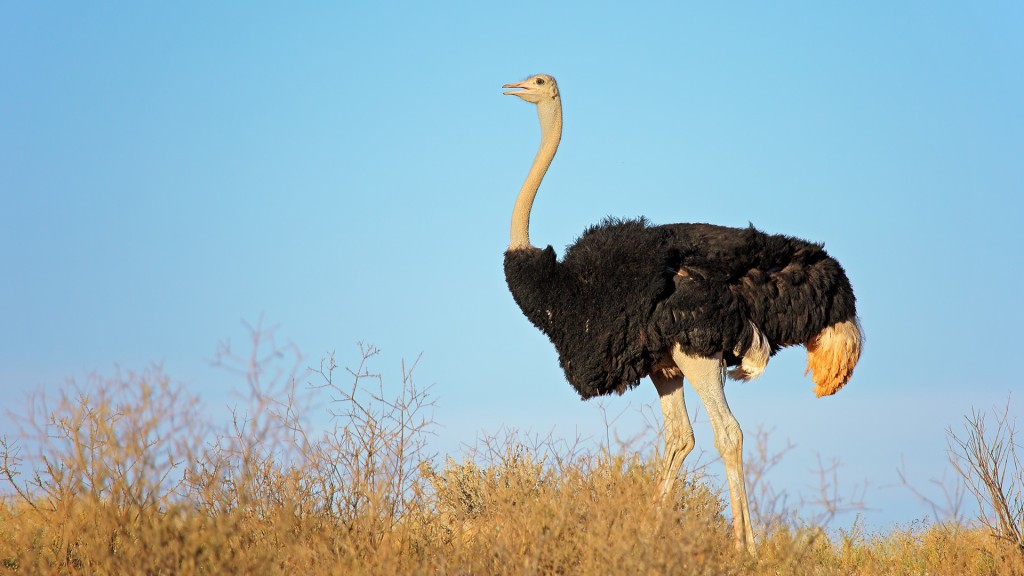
[550, 115]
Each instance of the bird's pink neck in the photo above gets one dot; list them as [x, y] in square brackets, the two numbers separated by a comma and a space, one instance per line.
[550, 115]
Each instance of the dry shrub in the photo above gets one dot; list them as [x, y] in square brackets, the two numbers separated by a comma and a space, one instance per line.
[122, 475]
[990, 466]
[506, 510]
[104, 459]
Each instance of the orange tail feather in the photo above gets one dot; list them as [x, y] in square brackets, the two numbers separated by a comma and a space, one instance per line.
[832, 355]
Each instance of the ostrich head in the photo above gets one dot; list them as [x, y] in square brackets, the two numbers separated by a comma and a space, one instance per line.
[536, 89]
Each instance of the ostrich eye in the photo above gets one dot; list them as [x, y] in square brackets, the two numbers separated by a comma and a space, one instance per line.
[540, 81]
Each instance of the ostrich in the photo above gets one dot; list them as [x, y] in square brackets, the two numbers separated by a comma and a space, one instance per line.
[630, 299]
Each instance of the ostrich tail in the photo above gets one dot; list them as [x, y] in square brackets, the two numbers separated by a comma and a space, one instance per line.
[832, 355]
[755, 358]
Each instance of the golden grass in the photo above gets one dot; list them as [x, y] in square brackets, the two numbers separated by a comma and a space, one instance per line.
[123, 477]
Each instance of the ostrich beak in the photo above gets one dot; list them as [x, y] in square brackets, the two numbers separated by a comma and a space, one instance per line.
[523, 87]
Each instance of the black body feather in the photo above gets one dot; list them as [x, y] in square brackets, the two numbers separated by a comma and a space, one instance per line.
[626, 292]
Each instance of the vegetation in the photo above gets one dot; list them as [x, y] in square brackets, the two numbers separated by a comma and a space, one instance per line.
[123, 476]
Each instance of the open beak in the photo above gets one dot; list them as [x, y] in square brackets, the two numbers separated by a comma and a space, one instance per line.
[522, 87]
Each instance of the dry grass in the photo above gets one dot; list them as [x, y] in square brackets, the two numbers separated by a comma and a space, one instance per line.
[121, 476]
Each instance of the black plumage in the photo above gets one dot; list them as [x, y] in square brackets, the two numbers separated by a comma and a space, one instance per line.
[627, 292]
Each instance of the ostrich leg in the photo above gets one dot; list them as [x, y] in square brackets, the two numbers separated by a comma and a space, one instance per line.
[707, 377]
[678, 431]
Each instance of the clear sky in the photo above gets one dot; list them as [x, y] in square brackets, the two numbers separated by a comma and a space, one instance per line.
[347, 171]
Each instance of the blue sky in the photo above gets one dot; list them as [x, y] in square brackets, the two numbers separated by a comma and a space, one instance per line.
[348, 173]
